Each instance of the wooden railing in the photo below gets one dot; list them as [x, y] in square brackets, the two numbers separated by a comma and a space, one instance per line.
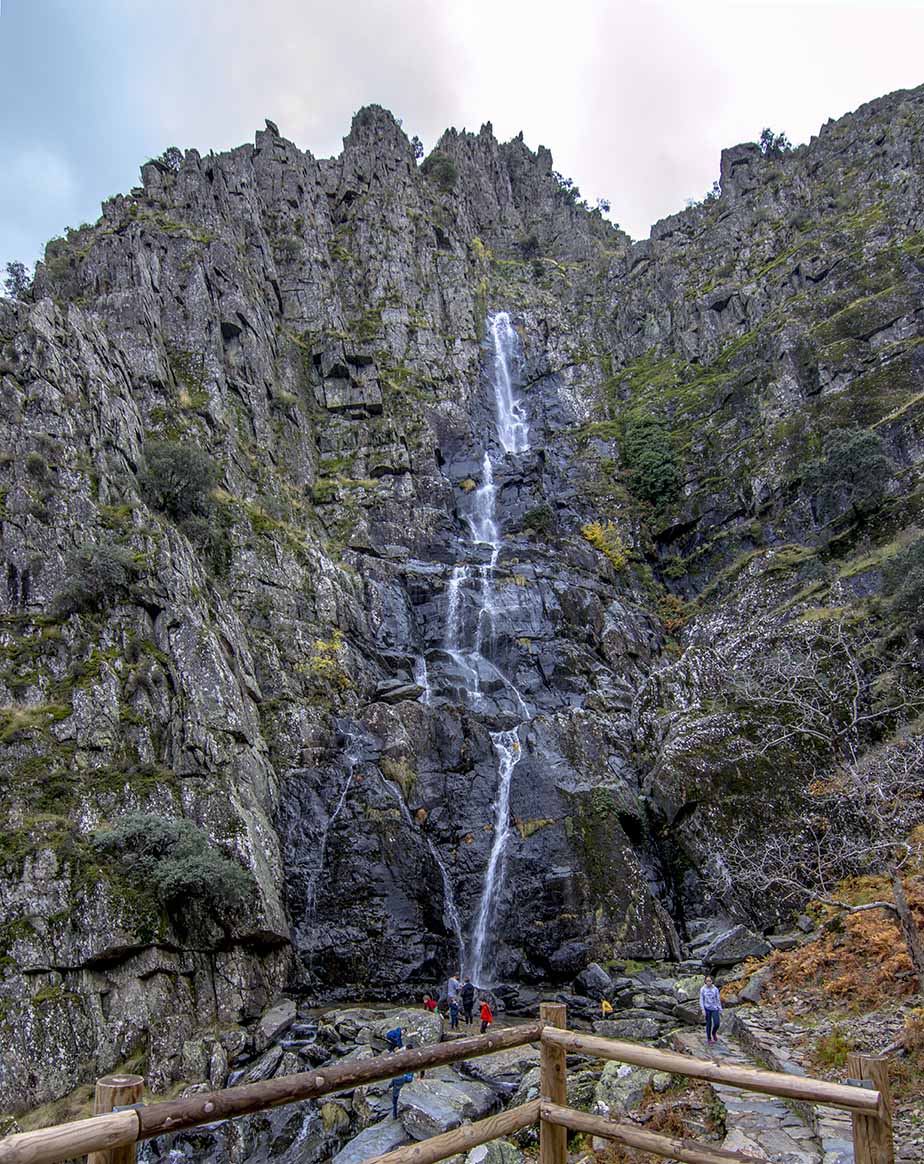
[110, 1136]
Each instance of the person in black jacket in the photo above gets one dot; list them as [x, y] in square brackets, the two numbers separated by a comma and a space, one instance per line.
[467, 995]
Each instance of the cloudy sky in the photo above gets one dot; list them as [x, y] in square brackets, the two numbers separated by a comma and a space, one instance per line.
[634, 99]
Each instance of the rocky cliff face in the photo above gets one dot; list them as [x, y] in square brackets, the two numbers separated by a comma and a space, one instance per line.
[244, 421]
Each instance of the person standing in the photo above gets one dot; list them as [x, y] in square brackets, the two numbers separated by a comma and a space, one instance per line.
[467, 997]
[396, 1084]
[486, 1017]
[453, 986]
[710, 1003]
[453, 1014]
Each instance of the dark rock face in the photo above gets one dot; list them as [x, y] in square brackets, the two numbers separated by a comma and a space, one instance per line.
[263, 651]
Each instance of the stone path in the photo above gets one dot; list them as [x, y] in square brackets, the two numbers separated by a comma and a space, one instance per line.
[761, 1125]
[759, 1033]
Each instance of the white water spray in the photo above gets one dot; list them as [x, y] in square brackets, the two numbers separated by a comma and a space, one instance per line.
[512, 429]
[507, 746]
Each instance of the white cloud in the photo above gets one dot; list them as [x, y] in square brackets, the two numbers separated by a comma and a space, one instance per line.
[635, 99]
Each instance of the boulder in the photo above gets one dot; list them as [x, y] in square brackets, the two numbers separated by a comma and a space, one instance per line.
[429, 1107]
[756, 984]
[734, 946]
[637, 1027]
[395, 690]
[502, 1070]
[620, 1088]
[497, 1152]
[371, 1142]
[273, 1023]
[594, 982]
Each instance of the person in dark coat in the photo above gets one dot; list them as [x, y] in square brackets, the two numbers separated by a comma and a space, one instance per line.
[467, 995]
[396, 1084]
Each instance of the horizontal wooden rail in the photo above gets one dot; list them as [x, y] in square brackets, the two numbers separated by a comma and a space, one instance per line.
[64, 1141]
[466, 1137]
[748, 1078]
[236, 1101]
[50, 1145]
[687, 1151]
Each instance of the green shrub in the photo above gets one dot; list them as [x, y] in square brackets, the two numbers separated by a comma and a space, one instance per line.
[832, 1050]
[442, 169]
[540, 520]
[177, 862]
[650, 460]
[853, 472]
[97, 576]
[36, 466]
[177, 479]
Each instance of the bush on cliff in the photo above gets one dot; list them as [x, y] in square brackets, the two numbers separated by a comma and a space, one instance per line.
[852, 474]
[177, 479]
[903, 578]
[178, 863]
[97, 576]
[442, 169]
[650, 459]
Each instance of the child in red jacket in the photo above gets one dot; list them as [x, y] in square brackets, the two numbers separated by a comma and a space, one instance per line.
[486, 1017]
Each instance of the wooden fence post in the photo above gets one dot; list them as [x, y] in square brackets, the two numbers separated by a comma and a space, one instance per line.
[116, 1091]
[872, 1134]
[553, 1085]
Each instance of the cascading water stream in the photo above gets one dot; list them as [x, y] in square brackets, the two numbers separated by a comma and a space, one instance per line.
[512, 429]
[311, 889]
[449, 899]
[507, 746]
[513, 437]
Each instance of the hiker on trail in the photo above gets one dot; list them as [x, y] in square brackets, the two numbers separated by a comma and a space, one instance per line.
[394, 1039]
[467, 996]
[710, 1003]
[429, 1003]
[606, 1008]
[454, 1014]
[396, 1084]
[453, 986]
[486, 1017]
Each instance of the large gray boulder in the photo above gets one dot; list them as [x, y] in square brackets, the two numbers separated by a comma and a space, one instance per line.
[273, 1023]
[371, 1142]
[594, 982]
[621, 1088]
[429, 1107]
[734, 946]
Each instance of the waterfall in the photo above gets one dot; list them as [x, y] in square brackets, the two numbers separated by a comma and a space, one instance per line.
[422, 679]
[507, 746]
[472, 651]
[512, 429]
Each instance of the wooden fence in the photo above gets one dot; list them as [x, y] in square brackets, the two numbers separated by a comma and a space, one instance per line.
[110, 1136]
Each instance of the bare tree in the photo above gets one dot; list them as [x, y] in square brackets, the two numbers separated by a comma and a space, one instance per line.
[864, 818]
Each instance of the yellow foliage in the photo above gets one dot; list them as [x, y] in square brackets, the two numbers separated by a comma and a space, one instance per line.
[608, 540]
[325, 663]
